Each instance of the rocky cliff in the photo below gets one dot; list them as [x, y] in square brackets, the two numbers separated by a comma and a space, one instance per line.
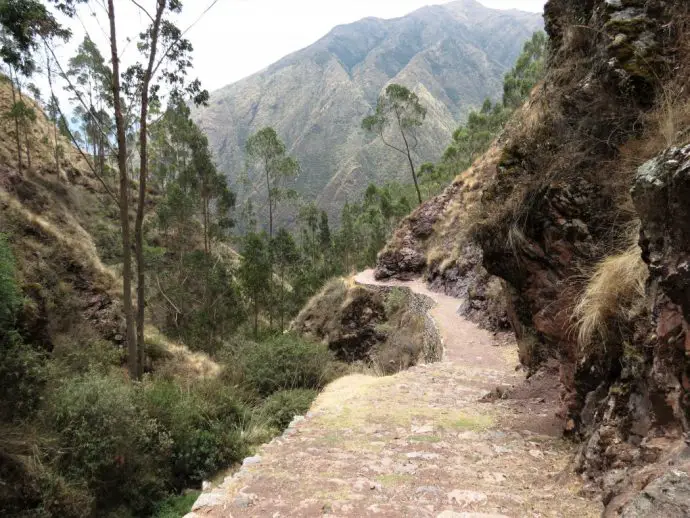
[453, 55]
[592, 276]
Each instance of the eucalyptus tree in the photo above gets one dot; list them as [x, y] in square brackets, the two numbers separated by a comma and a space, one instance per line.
[23, 24]
[90, 86]
[400, 113]
[266, 151]
[164, 60]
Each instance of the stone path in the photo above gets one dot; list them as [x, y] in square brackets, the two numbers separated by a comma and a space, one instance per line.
[418, 444]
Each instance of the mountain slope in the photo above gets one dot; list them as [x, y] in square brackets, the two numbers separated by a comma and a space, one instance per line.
[453, 56]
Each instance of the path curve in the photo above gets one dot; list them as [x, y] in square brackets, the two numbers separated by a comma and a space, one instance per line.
[418, 444]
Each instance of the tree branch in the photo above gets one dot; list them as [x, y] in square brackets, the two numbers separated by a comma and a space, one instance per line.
[143, 9]
[160, 289]
[383, 139]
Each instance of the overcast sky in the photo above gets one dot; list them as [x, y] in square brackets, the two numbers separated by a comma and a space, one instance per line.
[240, 37]
[236, 38]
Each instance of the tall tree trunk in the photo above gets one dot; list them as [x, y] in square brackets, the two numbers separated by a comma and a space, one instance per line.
[143, 174]
[409, 158]
[16, 124]
[54, 101]
[26, 130]
[270, 201]
[256, 317]
[132, 349]
[270, 245]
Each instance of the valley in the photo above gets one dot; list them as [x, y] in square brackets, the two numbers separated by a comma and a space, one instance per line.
[432, 265]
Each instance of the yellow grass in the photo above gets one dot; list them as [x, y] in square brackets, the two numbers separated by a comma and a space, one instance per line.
[182, 362]
[616, 284]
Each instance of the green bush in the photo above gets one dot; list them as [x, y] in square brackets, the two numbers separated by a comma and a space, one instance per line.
[205, 424]
[286, 362]
[31, 489]
[22, 378]
[108, 441]
[10, 296]
[108, 242]
[176, 506]
[280, 408]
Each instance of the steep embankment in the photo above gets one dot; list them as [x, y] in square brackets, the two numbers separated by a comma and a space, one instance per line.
[421, 443]
[594, 278]
[453, 56]
[62, 224]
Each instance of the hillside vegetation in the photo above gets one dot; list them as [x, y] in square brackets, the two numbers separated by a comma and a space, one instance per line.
[453, 56]
[82, 433]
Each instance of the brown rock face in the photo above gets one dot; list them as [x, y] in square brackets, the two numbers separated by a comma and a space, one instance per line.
[661, 193]
[405, 256]
[552, 207]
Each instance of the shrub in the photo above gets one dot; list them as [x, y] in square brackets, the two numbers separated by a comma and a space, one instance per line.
[280, 407]
[22, 377]
[31, 489]
[286, 362]
[205, 424]
[400, 351]
[10, 296]
[176, 506]
[108, 441]
[73, 355]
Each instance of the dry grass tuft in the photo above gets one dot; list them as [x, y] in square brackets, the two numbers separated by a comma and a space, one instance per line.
[613, 289]
[177, 360]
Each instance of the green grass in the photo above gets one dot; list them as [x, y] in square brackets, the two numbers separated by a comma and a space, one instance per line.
[394, 479]
[425, 438]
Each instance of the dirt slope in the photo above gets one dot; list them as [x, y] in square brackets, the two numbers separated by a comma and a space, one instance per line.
[419, 444]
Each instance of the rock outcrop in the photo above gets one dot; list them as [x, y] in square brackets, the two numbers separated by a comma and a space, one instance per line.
[554, 209]
[386, 328]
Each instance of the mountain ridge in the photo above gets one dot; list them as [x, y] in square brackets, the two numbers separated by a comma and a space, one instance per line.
[452, 55]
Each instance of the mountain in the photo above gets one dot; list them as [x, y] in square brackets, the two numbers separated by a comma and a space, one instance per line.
[453, 56]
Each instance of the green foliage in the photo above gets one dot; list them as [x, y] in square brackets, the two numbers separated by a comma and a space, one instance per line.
[267, 153]
[10, 296]
[195, 192]
[22, 377]
[108, 241]
[365, 226]
[399, 112]
[280, 408]
[255, 274]
[204, 422]
[107, 440]
[527, 72]
[25, 23]
[202, 309]
[286, 362]
[177, 506]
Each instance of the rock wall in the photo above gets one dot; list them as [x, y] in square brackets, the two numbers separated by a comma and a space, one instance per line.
[555, 201]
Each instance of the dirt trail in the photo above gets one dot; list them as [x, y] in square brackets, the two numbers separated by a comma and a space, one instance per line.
[417, 444]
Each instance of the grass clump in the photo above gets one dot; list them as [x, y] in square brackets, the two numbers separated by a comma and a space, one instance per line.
[612, 290]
